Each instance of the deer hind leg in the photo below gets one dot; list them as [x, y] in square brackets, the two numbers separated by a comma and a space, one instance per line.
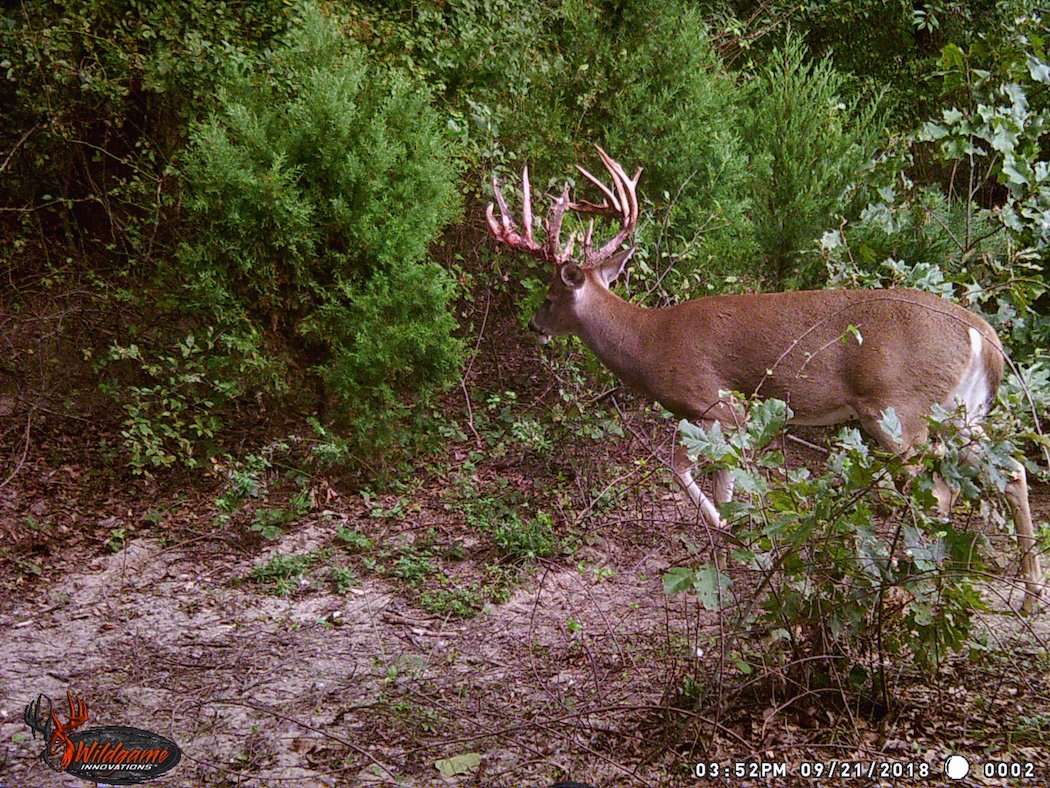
[1017, 498]
[1016, 494]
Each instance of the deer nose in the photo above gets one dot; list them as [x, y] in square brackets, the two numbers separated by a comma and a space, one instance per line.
[534, 327]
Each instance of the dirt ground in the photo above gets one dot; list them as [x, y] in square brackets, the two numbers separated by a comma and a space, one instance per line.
[269, 690]
[326, 688]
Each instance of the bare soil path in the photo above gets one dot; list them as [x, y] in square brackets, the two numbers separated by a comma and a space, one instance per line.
[567, 677]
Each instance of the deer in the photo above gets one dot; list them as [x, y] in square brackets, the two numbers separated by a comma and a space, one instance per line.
[917, 350]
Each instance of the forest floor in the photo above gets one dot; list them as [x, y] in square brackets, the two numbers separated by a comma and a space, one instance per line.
[382, 638]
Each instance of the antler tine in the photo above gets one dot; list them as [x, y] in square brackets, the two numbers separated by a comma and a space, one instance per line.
[526, 208]
[605, 207]
[78, 710]
[567, 251]
[630, 185]
[554, 217]
[616, 171]
[504, 211]
[634, 194]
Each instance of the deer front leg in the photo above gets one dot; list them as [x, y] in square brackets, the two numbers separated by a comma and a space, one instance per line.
[724, 484]
[683, 474]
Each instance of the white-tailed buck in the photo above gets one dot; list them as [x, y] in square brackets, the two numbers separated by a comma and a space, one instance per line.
[918, 350]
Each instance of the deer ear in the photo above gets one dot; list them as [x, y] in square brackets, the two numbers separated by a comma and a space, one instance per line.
[614, 266]
[572, 276]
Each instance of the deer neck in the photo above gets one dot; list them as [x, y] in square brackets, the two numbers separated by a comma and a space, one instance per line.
[617, 332]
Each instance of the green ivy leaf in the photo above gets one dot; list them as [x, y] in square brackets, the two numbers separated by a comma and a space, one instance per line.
[677, 580]
[892, 425]
[1013, 175]
[952, 57]
[750, 483]
[740, 663]
[926, 554]
[709, 444]
[922, 614]
[712, 588]
[1003, 139]
[767, 419]
[931, 132]
[1039, 70]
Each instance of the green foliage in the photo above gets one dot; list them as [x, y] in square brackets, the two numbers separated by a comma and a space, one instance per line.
[339, 166]
[112, 81]
[269, 522]
[249, 487]
[244, 480]
[463, 602]
[852, 568]
[986, 218]
[392, 348]
[923, 228]
[117, 539]
[711, 586]
[174, 413]
[995, 127]
[502, 512]
[283, 574]
[342, 578]
[412, 565]
[355, 541]
[886, 46]
[506, 430]
[314, 190]
[808, 143]
[642, 80]
[526, 540]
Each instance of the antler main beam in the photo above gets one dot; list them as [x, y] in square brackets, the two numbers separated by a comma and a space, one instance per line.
[622, 203]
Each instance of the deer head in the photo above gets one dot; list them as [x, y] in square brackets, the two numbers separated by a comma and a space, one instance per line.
[573, 281]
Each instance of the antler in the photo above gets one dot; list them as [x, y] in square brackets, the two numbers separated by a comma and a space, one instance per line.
[37, 716]
[505, 231]
[60, 742]
[622, 203]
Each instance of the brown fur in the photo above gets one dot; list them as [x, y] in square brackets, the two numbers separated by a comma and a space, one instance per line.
[912, 351]
[797, 346]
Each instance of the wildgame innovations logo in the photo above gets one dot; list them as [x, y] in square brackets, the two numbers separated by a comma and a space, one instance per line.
[113, 754]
